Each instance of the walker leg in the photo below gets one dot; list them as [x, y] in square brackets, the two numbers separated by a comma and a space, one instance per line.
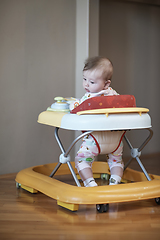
[62, 149]
[73, 174]
[147, 139]
[55, 170]
[136, 152]
[65, 154]
[127, 164]
[143, 169]
[58, 139]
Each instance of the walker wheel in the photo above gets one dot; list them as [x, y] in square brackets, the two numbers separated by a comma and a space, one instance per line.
[102, 207]
[105, 176]
[157, 200]
[18, 185]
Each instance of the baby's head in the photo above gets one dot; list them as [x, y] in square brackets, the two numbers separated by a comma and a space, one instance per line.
[97, 74]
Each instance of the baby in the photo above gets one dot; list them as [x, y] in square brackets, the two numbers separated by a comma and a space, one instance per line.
[97, 74]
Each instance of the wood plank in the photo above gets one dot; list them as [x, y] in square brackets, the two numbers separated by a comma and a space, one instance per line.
[35, 216]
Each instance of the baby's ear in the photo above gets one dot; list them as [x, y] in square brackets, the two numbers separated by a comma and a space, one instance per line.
[107, 84]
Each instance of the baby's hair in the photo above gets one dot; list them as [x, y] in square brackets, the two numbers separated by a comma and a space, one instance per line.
[100, 63]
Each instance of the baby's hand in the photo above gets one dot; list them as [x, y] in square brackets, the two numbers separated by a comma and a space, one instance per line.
[74, 103]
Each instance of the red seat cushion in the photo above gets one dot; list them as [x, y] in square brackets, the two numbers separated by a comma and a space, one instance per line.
[101, 102]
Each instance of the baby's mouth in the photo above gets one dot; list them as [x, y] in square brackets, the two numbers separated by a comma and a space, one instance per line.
[87, 90]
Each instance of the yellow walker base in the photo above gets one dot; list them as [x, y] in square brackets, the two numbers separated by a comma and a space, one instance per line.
[37, 178]
[138, 185]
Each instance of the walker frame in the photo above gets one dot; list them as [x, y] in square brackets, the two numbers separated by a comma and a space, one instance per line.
[138, 186]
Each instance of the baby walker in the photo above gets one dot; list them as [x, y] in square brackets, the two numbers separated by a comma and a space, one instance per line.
[115, 114]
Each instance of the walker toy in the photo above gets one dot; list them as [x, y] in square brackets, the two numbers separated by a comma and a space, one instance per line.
[115, 114]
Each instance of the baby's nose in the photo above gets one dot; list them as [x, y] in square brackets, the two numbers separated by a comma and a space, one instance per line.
[86, 83]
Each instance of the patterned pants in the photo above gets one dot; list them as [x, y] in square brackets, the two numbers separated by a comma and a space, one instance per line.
[89, 150]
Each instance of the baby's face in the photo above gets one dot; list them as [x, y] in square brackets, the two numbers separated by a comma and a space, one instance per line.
[93, 81]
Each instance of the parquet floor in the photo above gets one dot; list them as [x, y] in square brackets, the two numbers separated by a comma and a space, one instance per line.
[36, 216]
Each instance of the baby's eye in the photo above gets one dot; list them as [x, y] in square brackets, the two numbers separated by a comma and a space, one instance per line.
[92, 82]
[84, 79]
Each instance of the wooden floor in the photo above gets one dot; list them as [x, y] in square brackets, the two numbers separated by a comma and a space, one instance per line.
[36, 216]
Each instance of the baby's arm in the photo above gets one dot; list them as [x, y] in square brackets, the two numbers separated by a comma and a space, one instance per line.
[74, 104]
[77, 102]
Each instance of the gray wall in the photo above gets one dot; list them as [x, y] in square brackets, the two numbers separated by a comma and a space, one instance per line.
[129, 35]
[38, 49]
[37, 61]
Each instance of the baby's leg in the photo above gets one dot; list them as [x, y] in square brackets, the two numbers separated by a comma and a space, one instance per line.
[85, 171]
[83, 161]
[116, 165]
